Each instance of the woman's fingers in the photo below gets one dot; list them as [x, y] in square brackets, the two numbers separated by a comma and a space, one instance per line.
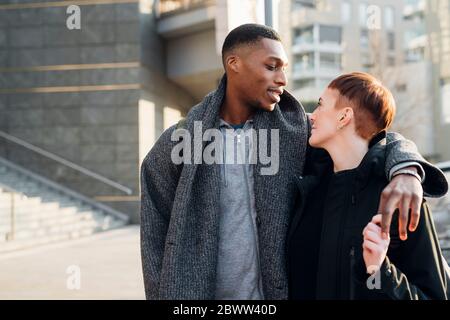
[373, 236]
[371, 246]
[376, 219]
[372, 226]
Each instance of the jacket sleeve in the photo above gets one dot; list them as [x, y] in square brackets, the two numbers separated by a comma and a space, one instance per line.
[159, 180]
[415, 269]
[399, 150]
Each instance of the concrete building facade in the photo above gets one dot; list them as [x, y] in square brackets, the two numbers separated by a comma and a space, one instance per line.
[333, 37]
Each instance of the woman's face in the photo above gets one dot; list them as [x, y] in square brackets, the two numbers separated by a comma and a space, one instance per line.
[325, 119]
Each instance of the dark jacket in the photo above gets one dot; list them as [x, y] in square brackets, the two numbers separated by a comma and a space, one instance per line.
[413, 269]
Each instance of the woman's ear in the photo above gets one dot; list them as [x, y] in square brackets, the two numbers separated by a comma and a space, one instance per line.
[346, 115]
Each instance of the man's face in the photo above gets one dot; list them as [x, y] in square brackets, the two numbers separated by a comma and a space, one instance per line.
[261, 74]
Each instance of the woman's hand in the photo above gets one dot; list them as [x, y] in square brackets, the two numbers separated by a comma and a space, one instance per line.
[375, 246]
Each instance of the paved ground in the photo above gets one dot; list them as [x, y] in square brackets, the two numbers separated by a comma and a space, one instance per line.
[109, 266]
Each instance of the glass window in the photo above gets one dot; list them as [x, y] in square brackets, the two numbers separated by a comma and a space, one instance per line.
[364, 38]
[304, 62]
[329, 34]
[330, 61]
[391, 40]
[304, 35]
[363, 14]
[304, 83]
[414, 55]
[346, 11]
[365, 62]
[389, 17]
[445, 103]
[298, 4]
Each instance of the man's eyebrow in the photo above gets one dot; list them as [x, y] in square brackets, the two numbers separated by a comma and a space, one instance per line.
[278, 60]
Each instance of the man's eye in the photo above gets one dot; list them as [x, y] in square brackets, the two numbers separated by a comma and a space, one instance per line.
[271, 68]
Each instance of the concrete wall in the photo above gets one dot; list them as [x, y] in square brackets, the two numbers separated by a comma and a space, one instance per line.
[95, 127]
[156, 86]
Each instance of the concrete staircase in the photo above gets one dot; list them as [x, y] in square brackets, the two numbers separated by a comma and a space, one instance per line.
[45, 212]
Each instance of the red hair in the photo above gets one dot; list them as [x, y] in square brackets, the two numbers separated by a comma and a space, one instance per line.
[372, 103]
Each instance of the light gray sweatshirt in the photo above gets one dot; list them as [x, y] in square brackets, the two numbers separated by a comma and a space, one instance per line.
[238, 266]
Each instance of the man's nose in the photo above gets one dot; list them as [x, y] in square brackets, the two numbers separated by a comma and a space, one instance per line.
[282, 79]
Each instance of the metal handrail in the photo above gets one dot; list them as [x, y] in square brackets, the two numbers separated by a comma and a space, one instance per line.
[66, 162]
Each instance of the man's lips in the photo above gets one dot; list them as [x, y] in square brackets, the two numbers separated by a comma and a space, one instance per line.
[275, 94]
[277, 91]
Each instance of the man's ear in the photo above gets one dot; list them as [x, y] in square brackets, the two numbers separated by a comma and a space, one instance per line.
[232, 62]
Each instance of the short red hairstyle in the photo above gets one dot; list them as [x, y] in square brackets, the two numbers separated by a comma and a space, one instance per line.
[372, 103]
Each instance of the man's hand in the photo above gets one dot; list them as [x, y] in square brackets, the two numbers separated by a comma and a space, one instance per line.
[403, 192]
[374, 246]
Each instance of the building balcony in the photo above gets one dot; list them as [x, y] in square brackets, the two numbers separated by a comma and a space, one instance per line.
[414, 9]
[308, 15]
[177, 18]
[417, 42]
[172, 7]
[324, 72]
[332, 47]
[189, 29]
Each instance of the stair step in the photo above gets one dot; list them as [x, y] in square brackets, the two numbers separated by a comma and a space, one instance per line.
[44, 214]
[57, 229]
[30, 243]
[42, 207]
[51, 220]
[46, 235]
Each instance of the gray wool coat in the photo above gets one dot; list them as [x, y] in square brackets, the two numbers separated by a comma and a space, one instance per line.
[180, 203]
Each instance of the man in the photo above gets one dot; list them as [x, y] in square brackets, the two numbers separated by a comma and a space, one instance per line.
[217, 231]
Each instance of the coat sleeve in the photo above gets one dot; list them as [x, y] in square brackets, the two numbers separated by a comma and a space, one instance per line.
[415, 269]
[399, 149]
[159, 180]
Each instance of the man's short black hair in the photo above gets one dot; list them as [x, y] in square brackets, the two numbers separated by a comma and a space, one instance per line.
[249, 33]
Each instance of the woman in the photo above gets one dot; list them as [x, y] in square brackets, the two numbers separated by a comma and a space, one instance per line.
[335, 246]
